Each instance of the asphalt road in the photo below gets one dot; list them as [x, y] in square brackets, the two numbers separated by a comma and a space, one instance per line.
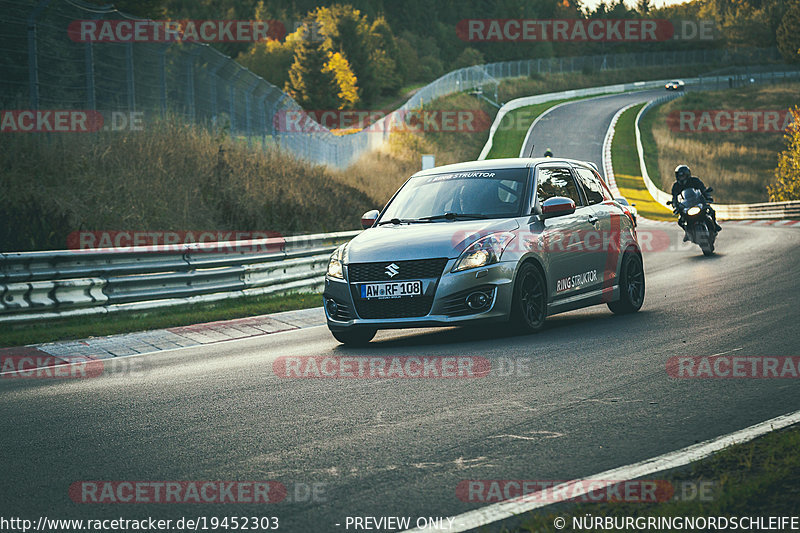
[596, 395]
[576, 130]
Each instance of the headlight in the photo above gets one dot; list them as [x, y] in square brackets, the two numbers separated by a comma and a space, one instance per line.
[484, 251]
[694, 210]
[335, 263]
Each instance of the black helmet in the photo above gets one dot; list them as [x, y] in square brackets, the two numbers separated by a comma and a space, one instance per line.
[682, 172]
[548, 153]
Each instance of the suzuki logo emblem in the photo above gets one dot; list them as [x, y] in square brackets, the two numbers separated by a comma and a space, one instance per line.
[392, 270]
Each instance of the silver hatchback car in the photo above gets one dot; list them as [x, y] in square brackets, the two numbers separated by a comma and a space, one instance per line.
[511, 240]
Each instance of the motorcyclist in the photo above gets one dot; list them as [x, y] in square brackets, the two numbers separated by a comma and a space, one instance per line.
[685, 180]
[548, 153]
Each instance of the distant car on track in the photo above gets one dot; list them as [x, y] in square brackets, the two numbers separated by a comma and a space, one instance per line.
[509, 240]
[675, 85]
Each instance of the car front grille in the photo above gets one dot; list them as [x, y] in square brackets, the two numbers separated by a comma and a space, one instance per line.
[406, 270]
[394, 307]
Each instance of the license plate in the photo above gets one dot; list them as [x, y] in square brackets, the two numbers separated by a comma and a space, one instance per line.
[395, 289]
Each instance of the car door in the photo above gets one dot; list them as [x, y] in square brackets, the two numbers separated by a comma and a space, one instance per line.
[608, 225]
[573, 271]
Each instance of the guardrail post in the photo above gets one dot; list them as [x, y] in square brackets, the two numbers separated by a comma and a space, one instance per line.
[232, 97]
[129, 73]
[190, 100]
[214, 77]
[88, 56]
[162, 78]
[263, 115]
[247, 102]
[33, 54]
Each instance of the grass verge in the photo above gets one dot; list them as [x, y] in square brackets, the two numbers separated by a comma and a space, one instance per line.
[758, 478]
[625, 158]
[125, 322]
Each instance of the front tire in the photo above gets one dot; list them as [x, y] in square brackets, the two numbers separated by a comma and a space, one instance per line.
[707, 244]
[631, 286]
[529, 304]
[354, 336]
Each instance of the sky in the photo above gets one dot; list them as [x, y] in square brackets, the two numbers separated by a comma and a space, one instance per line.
[631, 3]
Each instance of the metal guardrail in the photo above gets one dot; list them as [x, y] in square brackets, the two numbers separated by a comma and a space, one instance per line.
[42, 285]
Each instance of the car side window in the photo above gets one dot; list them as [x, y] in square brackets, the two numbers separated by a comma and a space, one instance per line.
[591, 186]
[557, 182]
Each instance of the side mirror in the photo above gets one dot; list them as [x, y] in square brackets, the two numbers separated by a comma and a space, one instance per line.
[710, 189]
[621, 201]
[368, 219]
[557, 206]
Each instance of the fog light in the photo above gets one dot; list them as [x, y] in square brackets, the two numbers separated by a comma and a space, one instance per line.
[477, 301]
[332, 307]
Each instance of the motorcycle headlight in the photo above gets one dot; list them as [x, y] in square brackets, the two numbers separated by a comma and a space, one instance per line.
[694, 210]
[484, 251]
[335, 264]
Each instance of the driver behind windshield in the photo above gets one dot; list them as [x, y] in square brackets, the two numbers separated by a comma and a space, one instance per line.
[685, 180]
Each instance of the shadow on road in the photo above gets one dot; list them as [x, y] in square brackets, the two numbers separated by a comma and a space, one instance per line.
[591, 324]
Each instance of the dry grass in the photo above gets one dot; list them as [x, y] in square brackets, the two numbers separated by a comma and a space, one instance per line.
[738, 165]
[168, 177]
[175, 177]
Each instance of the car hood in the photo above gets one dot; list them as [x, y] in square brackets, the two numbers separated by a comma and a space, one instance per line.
[423, 240]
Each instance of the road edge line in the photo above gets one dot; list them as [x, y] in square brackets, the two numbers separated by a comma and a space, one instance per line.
[511, 508]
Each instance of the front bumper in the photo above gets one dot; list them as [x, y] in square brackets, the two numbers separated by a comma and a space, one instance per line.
[447, 295]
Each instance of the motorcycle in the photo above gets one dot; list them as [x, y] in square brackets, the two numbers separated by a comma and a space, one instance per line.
[694, 216]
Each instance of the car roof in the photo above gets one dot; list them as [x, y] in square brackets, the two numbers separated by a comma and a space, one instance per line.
[499, 164]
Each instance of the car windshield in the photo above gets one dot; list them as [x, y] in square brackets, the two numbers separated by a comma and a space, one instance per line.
[459, 195]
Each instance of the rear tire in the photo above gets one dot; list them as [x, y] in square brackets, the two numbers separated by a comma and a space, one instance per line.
[354, 336]
[529, 304]
[631, 285]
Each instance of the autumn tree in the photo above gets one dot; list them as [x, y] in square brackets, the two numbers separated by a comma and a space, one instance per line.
[788, 34]
[310, 84]
[270, 59]
[787, 184]
[344, 79]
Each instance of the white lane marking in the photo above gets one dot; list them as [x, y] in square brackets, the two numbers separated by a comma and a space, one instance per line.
[538, 435]
[729, 351]
[507, 509]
